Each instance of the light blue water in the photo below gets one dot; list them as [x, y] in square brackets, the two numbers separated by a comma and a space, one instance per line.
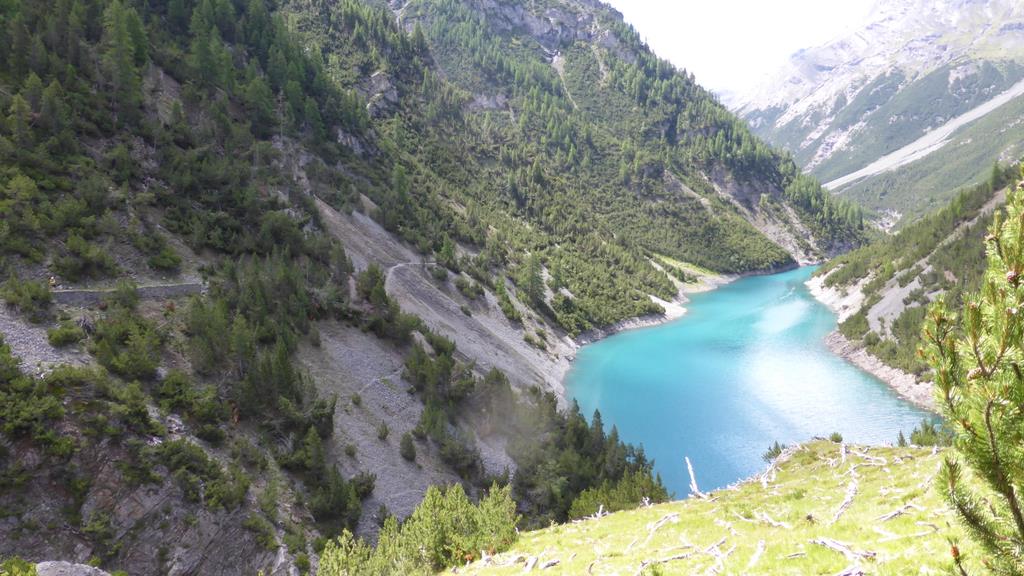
[745, 367]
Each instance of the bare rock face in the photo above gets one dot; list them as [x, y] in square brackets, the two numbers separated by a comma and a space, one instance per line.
[156, 528]
[842, 105]
[381, 95]
[60, 568]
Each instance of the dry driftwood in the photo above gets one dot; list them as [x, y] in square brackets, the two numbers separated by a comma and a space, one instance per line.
[852, 571]
[599, 514]
[757, 555]
[693, 479]
[851, 492]
[714, 546]
[871, 460]
[763, 517]
[844, 549]
[673, 517]
[549, 564]
[720, 557]
[727, 525]
[900, 511]
[631, 544]
[928, 481]
[646, 563]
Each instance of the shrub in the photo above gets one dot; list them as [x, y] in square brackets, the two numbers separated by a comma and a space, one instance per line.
[335, 501]
[773, 451]
[468, 288]
[461, 455]
[202, 478]
[28, 408]
[176, 392]
[166, 259]
[263, 530]
[979, 386]
[124, 295]
[535, 342]
[407, 448]
[835, 437]
[30, 298]
[127, 345]
[83, 260]
[383, 431]
[928, 433]
[443, 531]
[505, 302]
[17, 567]
[629, 492]
[65, 334]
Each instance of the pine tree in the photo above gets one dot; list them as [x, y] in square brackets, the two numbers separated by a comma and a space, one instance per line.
[140, 52]
[177, 16]
[314, 123]
[980, 386]
[19, 122]
[259, 102]
[33, 91]
[119, 56]
[533, 280]
[53, 112]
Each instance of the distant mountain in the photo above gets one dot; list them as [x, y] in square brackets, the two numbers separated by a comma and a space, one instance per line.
[889, 94]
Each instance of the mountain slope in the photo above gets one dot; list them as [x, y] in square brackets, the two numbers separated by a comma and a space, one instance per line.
[910, 69]
[313, 261]
[882, 291]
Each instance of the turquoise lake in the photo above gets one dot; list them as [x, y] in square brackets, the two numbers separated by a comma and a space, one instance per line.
[745, 367]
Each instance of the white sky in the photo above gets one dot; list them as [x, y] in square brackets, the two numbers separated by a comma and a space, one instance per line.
[730, 44]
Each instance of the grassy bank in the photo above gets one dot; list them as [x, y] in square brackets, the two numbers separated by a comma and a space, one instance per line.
[819, 511]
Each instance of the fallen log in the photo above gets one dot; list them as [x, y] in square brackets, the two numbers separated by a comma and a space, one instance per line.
[757, 555]
[844, 549]
[900, 511]
[763, 517]
[851, 492]
[645, 564]
[693, 479]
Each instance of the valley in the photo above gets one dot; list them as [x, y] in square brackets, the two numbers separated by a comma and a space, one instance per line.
[746, 367]
[365, 287]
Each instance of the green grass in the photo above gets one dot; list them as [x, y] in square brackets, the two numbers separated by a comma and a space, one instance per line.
[685, 266]
[801, 500]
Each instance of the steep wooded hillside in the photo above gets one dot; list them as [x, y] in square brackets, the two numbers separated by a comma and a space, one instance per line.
[882, 291]
[307, 259]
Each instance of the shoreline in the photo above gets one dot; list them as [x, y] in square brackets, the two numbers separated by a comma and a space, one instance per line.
[907, 386]
[676, 308]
